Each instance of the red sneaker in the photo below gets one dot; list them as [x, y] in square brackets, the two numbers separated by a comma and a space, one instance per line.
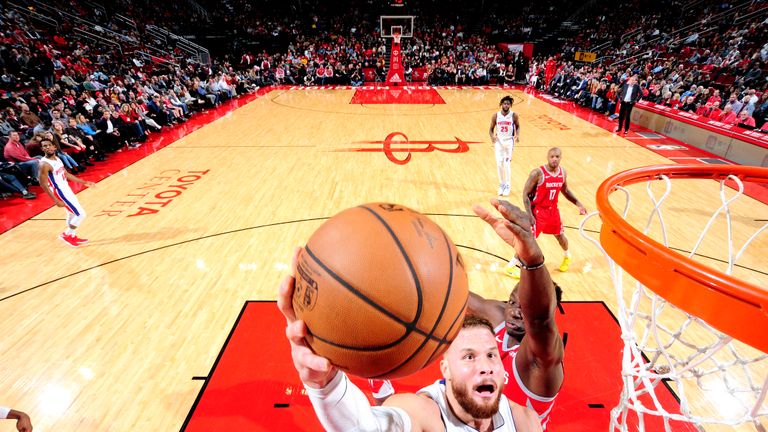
[68, 239]
[79, 240]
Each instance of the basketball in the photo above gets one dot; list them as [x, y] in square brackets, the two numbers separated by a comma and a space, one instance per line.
[382, 290]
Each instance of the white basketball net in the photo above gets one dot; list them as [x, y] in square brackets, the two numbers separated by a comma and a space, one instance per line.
[718, 380]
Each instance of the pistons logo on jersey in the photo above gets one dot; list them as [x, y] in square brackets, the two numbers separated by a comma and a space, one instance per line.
[61, 174]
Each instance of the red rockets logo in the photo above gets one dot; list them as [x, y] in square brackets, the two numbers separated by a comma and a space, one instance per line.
[399, 149]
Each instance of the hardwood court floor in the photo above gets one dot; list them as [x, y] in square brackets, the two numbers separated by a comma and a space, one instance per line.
[108, 337]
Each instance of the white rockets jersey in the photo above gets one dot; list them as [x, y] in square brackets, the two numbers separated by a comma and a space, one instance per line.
[502, 420]
[57, 176]
[505, 126]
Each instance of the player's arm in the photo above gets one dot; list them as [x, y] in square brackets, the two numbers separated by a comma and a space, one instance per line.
[491, 130]
[75, 179]
[541, 350]
[346, 408]
[516, 120]
[23, 423]
[492, 310]
[528, 190]
[568, 194]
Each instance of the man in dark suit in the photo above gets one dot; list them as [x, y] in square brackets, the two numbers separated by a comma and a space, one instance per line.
[628, 96]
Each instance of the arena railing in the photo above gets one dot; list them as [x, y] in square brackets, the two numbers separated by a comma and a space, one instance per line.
[185, 44]
[127, 21]
[34, 15]
[94, 26]
[704, 21]
[155, 59]
[97, 6]
[97, 38]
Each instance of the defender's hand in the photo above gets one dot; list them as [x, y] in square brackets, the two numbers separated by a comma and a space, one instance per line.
[514, 228]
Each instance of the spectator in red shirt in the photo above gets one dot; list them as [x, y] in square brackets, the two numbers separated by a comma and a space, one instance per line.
[16, 153]
[715, 99]
[715, 114]
[705, 110]
[727, 116]
[745, 119]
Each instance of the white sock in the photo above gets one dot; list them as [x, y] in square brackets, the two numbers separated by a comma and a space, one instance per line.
[513, 262]
[69, 232]
[567, 254]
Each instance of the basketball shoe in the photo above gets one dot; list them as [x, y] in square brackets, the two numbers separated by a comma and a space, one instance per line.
[565, 264]
[512, 271]
[69, 239]
[80, 241]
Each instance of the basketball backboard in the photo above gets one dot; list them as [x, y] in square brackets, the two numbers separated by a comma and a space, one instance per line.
[396, 24]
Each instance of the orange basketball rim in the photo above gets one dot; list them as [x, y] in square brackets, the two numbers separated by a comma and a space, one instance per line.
[730, 305]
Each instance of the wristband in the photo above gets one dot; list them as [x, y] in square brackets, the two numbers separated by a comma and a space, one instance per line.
[4, 411]
[323, 393]
[342, 407]
[525, 266]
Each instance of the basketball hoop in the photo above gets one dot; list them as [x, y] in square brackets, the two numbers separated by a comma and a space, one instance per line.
[699, 329]
[396, 27]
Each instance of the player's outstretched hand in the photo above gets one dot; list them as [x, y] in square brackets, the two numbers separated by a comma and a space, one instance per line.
[24, 424]
[514, 228]
[315, 371]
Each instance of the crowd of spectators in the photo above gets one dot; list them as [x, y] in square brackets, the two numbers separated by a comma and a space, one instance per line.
[341, 54]
[93, 99]
[90, 101]
[720, 75]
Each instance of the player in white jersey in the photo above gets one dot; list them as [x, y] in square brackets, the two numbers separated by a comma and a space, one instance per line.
[470, 400]
[504, 131]
[54, 181]
[501, 420]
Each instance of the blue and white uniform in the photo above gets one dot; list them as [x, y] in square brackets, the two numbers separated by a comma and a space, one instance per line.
[57, 181]
[505, 133]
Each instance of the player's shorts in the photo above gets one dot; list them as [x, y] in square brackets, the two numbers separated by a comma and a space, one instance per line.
[547, 221]
[503, 150]
[69, 199]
